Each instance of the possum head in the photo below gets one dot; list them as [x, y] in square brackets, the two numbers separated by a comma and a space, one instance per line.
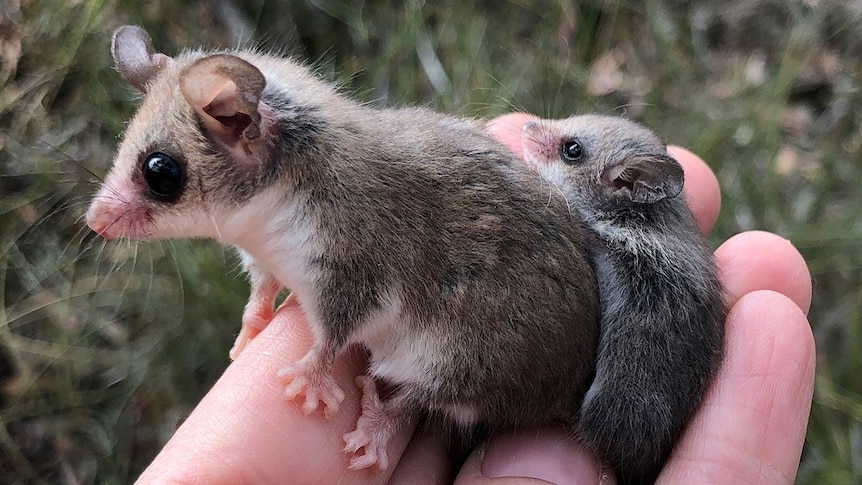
[197, 149]
[609, 159]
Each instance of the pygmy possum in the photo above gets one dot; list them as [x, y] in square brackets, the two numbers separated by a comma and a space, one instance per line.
[412, 233]
[662, 313]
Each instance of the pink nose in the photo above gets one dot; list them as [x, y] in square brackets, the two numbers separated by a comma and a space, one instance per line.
[97, 220]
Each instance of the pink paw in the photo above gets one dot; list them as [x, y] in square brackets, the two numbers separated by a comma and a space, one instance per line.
[316, 385]
[375, 452]
[258, 311]
[252, 325]
[374, 428]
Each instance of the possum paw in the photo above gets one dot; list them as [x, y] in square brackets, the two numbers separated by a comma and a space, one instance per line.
[252, 325]
[258, 313]
[316, 385]
[374, 428]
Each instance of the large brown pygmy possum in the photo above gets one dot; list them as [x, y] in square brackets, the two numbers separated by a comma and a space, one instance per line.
[662, 318]
[412, 233]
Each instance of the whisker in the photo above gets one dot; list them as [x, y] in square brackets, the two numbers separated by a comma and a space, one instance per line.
[69, 158]
[100, 256]
[179, 279]
[119, 196]
[216, 226]
[150, 275]
[76, 240]
[623, 107]
[558, 95]
[76, 182]
[115, 264]
[132, 270]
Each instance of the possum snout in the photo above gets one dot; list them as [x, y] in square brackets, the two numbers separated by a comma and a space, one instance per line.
[103, 216]
[117, 212]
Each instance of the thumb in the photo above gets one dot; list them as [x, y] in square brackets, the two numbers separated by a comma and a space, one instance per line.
[545, 455]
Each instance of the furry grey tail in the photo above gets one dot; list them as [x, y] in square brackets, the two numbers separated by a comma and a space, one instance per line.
[662, 335]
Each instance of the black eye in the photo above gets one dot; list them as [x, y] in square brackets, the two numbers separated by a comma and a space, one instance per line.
[571, 151]
[164, 176]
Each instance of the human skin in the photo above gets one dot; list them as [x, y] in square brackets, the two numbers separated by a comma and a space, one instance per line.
[750, 428]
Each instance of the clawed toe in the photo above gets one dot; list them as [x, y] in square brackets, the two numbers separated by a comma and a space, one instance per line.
[374, 449]
[374, 428]
[317, 387]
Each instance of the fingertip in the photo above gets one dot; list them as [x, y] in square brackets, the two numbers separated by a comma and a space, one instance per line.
[769, 337]
[787, 323]
[425, 460]
[759, 260]
[471, 474]
[533, 456]
[507, 130]
[764, 387]
[701, 187]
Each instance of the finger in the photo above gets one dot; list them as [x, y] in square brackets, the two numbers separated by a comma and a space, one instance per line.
[507, 130]
[701, 187]
[243, 431]
[546, 455]
[424, 462]
[757, 260]
[752, 424]
[765, 330]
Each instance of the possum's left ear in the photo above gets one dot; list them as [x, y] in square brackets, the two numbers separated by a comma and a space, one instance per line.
[645, 179]
[225, 92]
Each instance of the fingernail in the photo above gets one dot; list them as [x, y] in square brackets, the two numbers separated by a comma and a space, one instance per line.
[530, 125]
[547, 454]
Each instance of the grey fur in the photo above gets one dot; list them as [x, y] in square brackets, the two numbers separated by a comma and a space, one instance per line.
[662, 323]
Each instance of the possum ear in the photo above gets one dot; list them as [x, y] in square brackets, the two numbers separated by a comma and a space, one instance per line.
[132, 50]
[225, 91]
[645, 179]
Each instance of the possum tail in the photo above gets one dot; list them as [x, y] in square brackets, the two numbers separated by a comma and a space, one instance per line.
[649, 382]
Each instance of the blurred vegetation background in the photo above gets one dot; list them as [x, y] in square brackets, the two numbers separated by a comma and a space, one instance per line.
[104, 348]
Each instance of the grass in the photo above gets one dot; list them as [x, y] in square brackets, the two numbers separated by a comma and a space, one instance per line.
[104, 348]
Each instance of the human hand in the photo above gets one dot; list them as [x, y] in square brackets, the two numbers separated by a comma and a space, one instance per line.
[751, 425]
